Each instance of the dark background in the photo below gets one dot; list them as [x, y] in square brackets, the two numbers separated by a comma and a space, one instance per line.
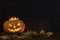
[35, 14]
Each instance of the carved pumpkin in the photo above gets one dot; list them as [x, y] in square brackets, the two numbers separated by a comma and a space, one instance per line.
[42, 32]
[14, 25]
[49, 34]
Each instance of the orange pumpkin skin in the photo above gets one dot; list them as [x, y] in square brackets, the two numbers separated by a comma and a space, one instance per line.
[18, 28]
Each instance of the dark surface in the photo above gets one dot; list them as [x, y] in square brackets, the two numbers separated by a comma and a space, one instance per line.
[55, 36]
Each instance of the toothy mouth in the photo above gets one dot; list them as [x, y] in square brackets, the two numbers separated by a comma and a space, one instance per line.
[14, 30]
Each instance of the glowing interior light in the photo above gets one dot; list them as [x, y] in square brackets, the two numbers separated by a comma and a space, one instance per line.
[13, 18]
[10, 25]
[49, 33]
[42, 32]
[18, 24]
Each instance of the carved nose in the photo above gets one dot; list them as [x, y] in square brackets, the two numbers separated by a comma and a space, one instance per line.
[14, 27]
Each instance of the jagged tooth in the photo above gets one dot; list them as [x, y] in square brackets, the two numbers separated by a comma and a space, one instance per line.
[14, 30]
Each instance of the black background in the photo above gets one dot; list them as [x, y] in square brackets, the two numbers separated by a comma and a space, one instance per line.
[35, 14]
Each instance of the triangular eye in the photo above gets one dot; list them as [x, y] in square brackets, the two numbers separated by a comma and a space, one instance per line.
[10, 24]
[18, 24]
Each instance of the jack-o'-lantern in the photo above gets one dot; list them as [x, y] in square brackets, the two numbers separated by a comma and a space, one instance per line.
[42, 32]
[14, 25]
[49, 33]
